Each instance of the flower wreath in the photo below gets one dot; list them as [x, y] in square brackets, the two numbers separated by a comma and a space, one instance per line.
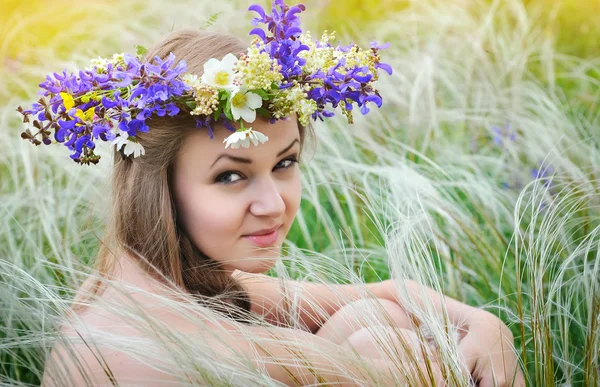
[283, 72]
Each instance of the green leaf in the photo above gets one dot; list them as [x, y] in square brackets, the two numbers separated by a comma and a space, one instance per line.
[210, 20]
[191, 104]
[141, 51]
[218, 112]
[261, 92]
[224, 95]
[263, 112]
[228, 110]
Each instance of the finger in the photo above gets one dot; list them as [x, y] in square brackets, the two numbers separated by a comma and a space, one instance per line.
[432, 373]
[499, 379]
[488, 382]
[465, 366]
[469, 354]
[518, 380]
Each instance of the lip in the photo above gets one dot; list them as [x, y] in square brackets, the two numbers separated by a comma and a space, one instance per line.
[264, 231]
[264, 237]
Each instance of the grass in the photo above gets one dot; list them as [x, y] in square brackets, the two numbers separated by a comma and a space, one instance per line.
[419, 190]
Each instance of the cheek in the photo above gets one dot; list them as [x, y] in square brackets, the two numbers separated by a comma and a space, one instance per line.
[293, 197]
[211, 219]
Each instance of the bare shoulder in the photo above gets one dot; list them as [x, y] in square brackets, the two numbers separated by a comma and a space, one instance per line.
[98, 345]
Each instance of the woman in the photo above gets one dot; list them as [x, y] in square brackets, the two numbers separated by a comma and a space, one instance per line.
[194, 216]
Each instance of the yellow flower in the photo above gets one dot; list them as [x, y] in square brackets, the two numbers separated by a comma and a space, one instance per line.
[67, 100]
[87, 116]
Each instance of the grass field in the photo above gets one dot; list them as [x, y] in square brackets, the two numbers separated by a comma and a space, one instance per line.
[479, 176]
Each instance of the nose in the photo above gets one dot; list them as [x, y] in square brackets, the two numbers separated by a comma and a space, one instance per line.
[267, 199]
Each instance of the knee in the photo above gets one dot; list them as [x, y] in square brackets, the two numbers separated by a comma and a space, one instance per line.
[361, 313]
[385, 342]
[386, 312]
[399, 317]
[379, 311]
[421, 362]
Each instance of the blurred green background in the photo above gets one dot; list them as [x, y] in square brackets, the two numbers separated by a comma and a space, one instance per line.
[26, 26]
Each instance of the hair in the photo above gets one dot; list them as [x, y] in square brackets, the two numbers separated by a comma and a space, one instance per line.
[145, 221]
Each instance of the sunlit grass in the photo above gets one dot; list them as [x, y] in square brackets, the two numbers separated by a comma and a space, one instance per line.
[425, 188]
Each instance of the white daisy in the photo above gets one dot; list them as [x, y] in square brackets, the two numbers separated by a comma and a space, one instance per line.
[220, 73]
[130, 147]
[243, 138]
[243, 104]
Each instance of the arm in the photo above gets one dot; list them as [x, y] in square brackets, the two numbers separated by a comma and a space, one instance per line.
[487, 344]
[304, 358]
[460, 314]
[319, 301]
[317, 304]
[290, 356]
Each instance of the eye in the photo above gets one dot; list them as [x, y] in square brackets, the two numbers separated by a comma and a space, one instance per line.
[228, 177]
[286, 163]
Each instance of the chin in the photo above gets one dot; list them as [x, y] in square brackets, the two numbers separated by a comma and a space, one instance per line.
[255, 265]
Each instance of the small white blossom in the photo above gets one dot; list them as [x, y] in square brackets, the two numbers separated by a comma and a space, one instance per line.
[191, 80]
[244, 137]
[220, 73]
[243, 104]
[205, 96]
[256, 68]
[129, 147]
[101, 64]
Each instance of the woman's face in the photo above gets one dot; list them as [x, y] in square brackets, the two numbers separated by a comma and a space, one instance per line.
[238, 205]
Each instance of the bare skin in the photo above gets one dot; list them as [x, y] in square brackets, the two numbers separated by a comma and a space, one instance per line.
[236, 199]
[130, 273]
[338, 329]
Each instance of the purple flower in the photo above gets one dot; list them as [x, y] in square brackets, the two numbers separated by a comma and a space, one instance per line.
[321, 114]
[501, 135]
[103, 132]
[545, 173]
[282, 44]
[205, 122]
[64, 127]
[76, 133]
[350, 87]
[385, 67]
[156, 84]
[515, 184]
[364, 98]
[109, 104]
[281, 20]
[377, 46]
[51, 85]
[227, 123]
[35, 109]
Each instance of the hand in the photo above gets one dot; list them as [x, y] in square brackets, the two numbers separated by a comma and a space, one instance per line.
[488, 349]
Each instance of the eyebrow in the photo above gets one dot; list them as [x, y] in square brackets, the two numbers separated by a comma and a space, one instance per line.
[248, 161]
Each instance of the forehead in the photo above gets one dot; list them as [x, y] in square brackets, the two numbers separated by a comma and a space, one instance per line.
[198, 148]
